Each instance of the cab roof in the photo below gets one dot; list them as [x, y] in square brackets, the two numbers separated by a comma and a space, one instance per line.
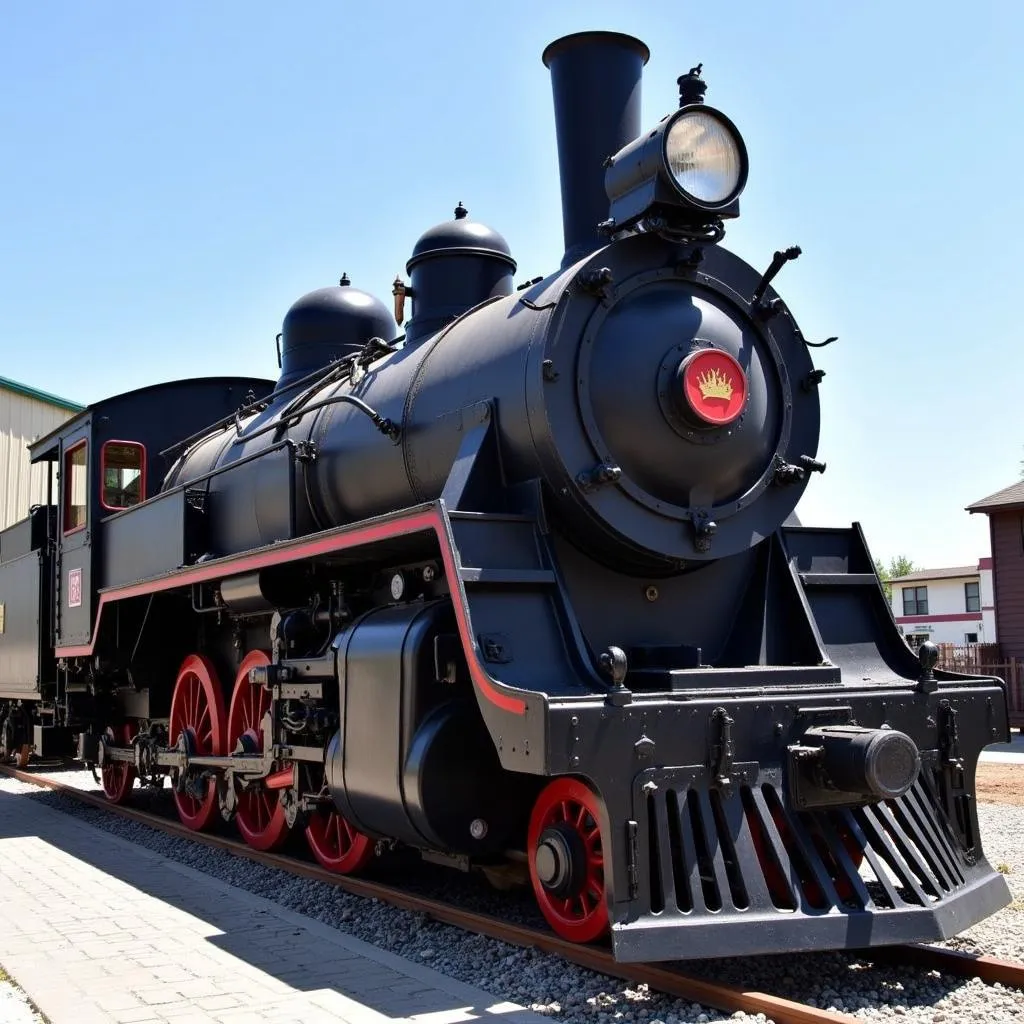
[47, 448]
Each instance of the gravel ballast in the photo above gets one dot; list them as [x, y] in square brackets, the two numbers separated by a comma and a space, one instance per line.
[574, 995]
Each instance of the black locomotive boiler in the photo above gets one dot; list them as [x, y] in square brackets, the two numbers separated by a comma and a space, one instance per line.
[520, 587]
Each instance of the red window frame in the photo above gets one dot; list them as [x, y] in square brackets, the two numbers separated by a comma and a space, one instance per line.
[103, 474]
[66, 487]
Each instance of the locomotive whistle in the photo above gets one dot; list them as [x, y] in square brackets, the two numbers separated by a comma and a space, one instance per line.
[400, 290]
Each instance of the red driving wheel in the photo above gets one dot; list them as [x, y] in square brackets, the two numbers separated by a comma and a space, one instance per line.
[118, 776]
[566, 859]
[259, 815]
[197, 708]
[337, 846]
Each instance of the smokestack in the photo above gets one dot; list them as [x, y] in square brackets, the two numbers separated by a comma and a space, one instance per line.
[596, 79]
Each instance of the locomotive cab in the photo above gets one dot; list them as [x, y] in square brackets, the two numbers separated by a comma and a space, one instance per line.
[108, 460]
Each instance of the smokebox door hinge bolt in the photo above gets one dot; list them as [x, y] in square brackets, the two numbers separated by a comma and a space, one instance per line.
[691, 261]
[704, 529]
[601, 474]
[597, 282]
[787, 473]
[812, 380]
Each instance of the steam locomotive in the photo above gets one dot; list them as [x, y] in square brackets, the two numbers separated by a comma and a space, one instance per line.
[519, 586]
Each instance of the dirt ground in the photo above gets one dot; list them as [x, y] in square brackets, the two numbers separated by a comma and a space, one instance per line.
[1001, 783]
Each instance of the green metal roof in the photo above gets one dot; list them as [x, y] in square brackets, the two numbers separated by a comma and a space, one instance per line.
[39, 396]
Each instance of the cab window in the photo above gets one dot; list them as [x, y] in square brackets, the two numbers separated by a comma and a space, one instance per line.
[75, 483]
[123, 472]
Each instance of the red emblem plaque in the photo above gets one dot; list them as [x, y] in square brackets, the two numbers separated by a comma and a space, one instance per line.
[715, 386]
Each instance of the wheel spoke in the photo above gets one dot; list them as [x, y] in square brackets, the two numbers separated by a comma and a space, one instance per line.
[337, 845]
[260, 816]
[197, 713]
[570, 806]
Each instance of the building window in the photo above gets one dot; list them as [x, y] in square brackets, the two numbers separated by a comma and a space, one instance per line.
[972, 592]
[75, 480]
[123, 473]
[915, 600]
[970, 638]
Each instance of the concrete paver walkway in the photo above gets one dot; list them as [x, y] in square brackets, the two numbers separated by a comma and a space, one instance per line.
[96, 929]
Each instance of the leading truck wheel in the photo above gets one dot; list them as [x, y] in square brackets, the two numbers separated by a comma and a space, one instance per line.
[197, 709]
[566, 859]
[118, 776]
[337, 846]
[259, 815]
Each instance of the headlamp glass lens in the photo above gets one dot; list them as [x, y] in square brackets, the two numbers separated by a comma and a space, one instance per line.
[704, 157]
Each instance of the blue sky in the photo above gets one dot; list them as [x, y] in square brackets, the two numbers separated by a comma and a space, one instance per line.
[173, 176]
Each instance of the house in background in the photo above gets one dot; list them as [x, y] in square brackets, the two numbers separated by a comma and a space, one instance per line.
[1005, 511]
[25, 415]
[947, 606]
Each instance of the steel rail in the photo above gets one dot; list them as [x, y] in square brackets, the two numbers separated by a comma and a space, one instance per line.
[962, 963]
[667, 980]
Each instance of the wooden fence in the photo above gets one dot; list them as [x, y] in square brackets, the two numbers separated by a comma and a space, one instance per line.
[987, 659]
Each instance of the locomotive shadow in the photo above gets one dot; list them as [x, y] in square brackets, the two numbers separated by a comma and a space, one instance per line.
[390, 984]
[305, 954]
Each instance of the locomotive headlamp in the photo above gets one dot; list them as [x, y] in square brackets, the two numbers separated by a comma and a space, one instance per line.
[687, 173]
[691, 169]
[705, 157]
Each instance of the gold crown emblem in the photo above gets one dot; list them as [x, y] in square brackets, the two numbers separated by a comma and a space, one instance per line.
[715, 384]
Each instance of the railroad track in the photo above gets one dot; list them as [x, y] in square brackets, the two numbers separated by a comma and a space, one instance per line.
[668, 980]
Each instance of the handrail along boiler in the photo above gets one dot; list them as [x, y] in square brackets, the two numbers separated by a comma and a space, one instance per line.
[522, 587]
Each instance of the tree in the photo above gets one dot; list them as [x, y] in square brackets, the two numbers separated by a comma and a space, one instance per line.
[899, 566]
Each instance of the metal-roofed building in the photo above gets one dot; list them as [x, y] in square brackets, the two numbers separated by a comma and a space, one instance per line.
[26, 413]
